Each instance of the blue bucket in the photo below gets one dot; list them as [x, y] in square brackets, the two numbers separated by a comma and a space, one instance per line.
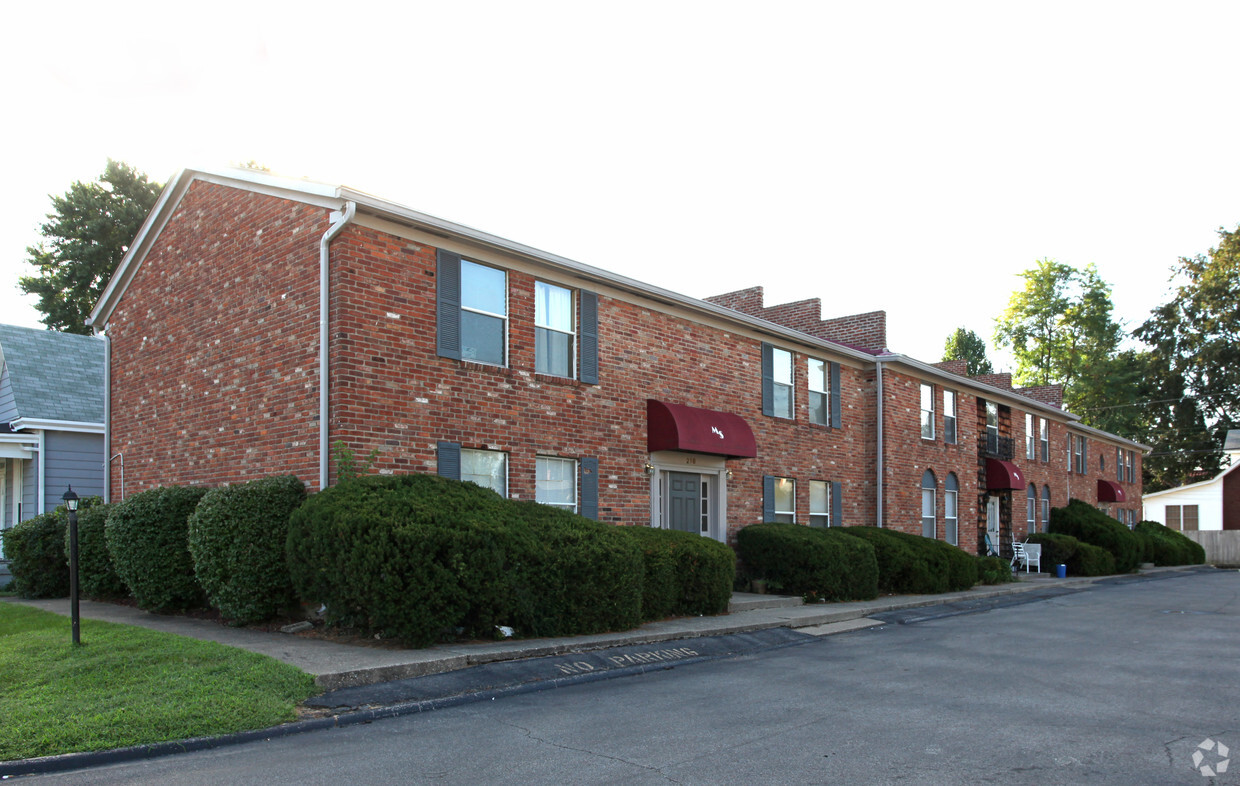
[1061, 571]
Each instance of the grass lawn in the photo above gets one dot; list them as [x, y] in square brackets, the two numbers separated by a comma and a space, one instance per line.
[128, 686]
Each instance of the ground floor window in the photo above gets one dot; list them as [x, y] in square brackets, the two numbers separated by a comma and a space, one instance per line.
[781, 502]
[951, 492]
[556, 482]
[487, 468]
[819, 503]
[928, 504]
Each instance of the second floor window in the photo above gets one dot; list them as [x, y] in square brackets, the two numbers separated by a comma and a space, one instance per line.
[1044, 436]
[777, 397]
[484, 313]
[1030, 447]
[819, 392]
[992, 427]
[553, 330]
[949, 417]
[927, 411]
[1081, 456]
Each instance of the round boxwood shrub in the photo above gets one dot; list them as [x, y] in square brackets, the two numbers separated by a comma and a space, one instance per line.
[237, 538]
[685, 574]
[915, 565]
[96, 575]
[1164, 546]
[418, 557]
[36, 552]
[818, 564]
[147, 538]
[1090, 525]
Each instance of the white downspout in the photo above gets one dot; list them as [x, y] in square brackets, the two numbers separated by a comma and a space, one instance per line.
[42, 464]
[878, 486]
[107, 423]
[338, 222]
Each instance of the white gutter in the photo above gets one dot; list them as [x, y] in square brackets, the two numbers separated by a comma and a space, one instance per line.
[338, 222]
[878, 486]
[84, 427]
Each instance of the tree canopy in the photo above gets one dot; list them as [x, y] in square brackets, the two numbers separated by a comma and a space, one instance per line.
[84, 238]
[1059, 327]
[968, 346]
[1196, 336]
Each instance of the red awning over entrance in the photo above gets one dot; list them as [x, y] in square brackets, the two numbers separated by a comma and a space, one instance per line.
[677, 427]
[1002, 475]
[1110, 491]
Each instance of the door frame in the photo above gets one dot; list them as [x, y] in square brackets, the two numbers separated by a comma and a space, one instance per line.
[714, 473]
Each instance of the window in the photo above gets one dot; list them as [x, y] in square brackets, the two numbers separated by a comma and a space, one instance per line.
[1173, 517]
[949, 417]
[487, 468]
[1130, 469]
[819, 392]
[927, 411]
[556, 482]
[777, 398]
[928, 504]
[1080, 455]
[1182, 517]
[992, 427]
[1119, 463]
[783, 500]
[1190, 518]
[1046, 506]
[1044, 436]
[951, 491]
[1069, 454]
[819, 503]
[1031, 509]
[553, 330]
[1030, 443]
[484, 313]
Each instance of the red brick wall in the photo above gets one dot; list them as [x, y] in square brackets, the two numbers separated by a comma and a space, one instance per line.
[213, 373]
[391, 390]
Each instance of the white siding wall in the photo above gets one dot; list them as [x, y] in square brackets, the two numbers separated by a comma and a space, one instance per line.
[1208, 497]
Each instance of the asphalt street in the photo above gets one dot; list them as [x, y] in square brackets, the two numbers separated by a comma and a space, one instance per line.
[1134, 681]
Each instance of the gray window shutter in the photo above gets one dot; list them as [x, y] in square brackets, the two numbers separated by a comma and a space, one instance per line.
[768, 380]
[589, 487]
[589, 337]
[835, 395]
[448, 304]
[449, 454]
[837, 504]
[768, 497]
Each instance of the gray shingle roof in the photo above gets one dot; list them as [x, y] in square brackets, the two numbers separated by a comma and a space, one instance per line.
[54, 376]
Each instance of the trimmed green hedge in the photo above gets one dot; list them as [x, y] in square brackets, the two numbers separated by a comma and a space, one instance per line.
[819, 564]
[237, 538]
[1164, 546]
[912, 564]
[420, 557]
[1080, 558]
[96, 574]
[147, 538]
[1090, 525]
[994, 570]
[36, 552]
[685, 574]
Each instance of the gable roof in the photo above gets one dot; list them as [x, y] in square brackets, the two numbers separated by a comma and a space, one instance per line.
[51, 375]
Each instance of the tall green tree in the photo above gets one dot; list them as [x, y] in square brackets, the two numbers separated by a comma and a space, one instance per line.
[968, 346]
[85, 237]
[1197, 335]
[1059, 326]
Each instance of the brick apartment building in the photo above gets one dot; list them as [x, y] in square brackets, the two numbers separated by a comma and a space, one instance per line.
[246, 297]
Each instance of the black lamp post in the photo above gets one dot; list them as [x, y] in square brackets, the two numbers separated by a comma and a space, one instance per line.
[71, 503]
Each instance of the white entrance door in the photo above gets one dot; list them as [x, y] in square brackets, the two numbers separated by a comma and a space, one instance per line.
[992, 522]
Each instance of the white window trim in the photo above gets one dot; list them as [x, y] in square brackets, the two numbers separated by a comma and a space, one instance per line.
[826, 514]
[826, 388]
[921, 405]
[572, 320]
[955, 436]
[576, 483]
[791, 384]
[792, 512]
[507, 480]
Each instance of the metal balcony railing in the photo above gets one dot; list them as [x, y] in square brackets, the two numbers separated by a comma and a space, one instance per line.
[995, 446]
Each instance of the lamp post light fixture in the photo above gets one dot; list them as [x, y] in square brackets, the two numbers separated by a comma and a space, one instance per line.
[71, 504]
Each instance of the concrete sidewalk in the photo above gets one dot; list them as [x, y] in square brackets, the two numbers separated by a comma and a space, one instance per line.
[336, 665]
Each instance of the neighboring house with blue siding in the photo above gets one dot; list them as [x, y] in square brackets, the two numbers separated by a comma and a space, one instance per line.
[51, 421]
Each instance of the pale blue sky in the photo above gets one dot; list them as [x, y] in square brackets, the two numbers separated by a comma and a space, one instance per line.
[912, 157]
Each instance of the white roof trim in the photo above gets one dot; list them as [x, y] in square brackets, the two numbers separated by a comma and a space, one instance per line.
[57, 425]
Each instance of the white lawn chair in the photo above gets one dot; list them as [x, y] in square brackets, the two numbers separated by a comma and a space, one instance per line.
[1027, 554]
